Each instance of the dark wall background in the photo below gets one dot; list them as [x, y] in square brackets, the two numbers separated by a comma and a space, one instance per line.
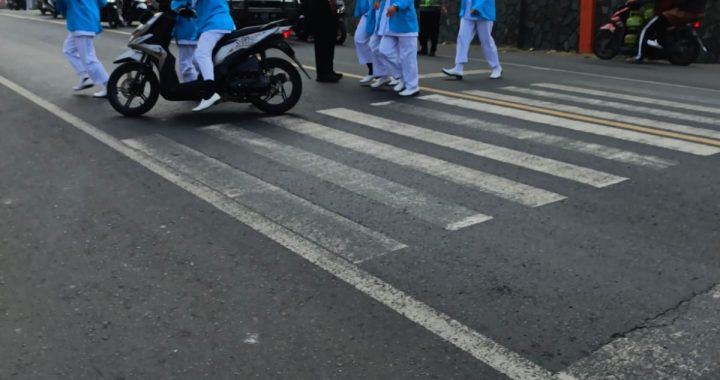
[554, 24]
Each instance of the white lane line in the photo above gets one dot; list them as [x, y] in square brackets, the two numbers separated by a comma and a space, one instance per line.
[597, 150]
[631, 98]
[434, 210]
[463, 337]
[442, 75]
[544, 165]
[695, 97]
[485, 182]
[655, 112]
[62, 23]
[682, 344]
[330, 230]
[580, 126]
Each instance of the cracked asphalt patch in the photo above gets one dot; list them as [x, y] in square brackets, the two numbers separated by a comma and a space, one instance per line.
[681, 343]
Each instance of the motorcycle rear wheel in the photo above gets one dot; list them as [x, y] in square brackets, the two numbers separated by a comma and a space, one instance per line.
[606, 45]
[687, 52]
[133, 83]
[281, 73]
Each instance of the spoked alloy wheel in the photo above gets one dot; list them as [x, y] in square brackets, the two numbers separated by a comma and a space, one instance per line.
[133, 89]
[285, 87]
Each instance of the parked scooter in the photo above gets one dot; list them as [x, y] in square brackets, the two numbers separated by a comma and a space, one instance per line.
[303, 33]
[16, 5]
[681, 45]
[243, 72]
[48, 7]
[136, 10]
[111, 13]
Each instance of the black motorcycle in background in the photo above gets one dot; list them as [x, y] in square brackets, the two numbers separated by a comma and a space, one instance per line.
[303, 33]
[16, 5]
[48, 7]
[111, 13]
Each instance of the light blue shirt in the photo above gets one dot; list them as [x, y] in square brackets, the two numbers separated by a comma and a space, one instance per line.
[486, 9]
[81, 15]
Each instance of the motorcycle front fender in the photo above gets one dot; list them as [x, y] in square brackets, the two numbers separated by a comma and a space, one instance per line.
[288, 50]
[129, 56]
[609, 26]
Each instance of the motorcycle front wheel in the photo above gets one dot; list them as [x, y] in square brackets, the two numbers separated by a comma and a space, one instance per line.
[133, 89]
[606, 45]
[285, 87]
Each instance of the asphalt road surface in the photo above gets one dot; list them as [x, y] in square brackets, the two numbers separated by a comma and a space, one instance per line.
[560, 223]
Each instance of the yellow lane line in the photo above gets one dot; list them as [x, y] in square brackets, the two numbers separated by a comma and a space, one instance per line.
[519, 106]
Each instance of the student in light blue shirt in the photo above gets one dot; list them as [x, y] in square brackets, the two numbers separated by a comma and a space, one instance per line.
[83, 24]
[398, 47]
[185, 34]
[476, 17]
[363, 9]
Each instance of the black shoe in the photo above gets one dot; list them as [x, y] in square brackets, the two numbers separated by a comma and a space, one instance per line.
[338, 75]
[422, 52]
[329, 78]
[432, 53]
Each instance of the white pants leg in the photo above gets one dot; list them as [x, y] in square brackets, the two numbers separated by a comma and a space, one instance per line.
[389, 55]
[407, 49]
[186, 63]
[647, 27]
[379, 69]
[71, 53]
[203, 52]
[362, 43]
[487, 43]
[81, 54]
[465, 36]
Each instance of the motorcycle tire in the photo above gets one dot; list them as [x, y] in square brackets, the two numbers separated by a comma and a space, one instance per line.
[293, 76]
[686, 52]
[606, 45]
[341, 34]
[146, 75]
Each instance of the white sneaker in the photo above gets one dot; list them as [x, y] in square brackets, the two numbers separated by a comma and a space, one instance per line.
[453, 73]
[379, 82]
[102, 93]
[496, 73]
[207, 103]
[409, 92]
[655, 44]
[367, 80]
[400, 86]
[394, 82]
[85, 82]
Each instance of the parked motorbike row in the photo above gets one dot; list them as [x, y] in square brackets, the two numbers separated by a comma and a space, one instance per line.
[680, 45]
[112, 14]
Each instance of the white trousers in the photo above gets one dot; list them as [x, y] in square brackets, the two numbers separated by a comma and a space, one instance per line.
[186, 63]
[399, 55]
[379, 68]
[203, 52]
[468, 29]
[80, 52]
[362, 43]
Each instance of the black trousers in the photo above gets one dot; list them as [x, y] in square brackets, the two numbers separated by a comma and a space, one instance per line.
[429, 28]
[325, 47]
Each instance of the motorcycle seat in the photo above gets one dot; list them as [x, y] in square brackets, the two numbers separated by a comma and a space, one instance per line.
[247, 30]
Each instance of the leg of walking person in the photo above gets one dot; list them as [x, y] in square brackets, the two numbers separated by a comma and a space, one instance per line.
[407, 47]
[465, 36]
[93, 66]
[71, 53]
[484, 31]
[425, 30]
[363, 50]
[389, 56]
[434, 30]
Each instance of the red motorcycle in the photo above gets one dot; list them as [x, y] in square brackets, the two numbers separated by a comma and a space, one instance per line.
[680, 45]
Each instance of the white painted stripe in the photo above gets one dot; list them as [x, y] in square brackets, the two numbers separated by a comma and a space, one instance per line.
[597, 150]
[413, 202]
[655, 112]
[631, 98]
[479, 346]
[337, 233]
[442, 75]
[694, 96]
[498, 186]
[580, 126]
[680, 344]
[544, 165]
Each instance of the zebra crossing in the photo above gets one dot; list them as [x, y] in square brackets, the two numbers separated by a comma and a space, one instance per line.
[342, 129]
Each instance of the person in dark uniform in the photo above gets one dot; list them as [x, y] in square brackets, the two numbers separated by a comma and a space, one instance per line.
[672, 13]
[322, 19]
[430, 12]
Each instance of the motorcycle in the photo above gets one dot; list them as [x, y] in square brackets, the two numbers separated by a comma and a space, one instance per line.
[303, 34]
[136, 10]
[243, 72]
[48, 6]
[16, 5]
[111, 13]
[680, 45]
